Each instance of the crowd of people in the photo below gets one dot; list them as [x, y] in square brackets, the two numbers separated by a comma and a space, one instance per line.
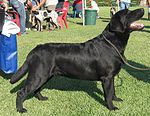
[35, 5]
[123, 4]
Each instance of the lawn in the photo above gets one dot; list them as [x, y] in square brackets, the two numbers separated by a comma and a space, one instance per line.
[84, 98]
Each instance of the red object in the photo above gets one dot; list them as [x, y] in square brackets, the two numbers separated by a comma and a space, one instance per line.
[77, 2]
[29, 3]
[63, 16]
[15, 19]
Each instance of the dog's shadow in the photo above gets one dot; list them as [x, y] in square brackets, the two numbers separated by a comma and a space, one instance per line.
[90, 87]
[140, 75]
[66, 84]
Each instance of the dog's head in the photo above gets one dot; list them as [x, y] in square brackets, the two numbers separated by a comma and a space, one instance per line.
[125, 21]
[113, 10]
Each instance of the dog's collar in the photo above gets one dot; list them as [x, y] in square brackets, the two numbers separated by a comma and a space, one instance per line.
[123, 57]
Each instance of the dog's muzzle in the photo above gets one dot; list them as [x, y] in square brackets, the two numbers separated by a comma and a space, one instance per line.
[136, 26]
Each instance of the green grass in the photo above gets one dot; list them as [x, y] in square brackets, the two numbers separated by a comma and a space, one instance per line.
[83, 98]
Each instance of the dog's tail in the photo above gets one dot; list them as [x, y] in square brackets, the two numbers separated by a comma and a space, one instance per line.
[20, 73]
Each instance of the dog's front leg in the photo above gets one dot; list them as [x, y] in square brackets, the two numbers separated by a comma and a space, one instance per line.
[107, 85]
[115, 98]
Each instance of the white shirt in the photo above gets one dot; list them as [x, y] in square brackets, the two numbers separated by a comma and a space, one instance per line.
[51, 2]
[94, 5]
[22, 1]
[127, 1]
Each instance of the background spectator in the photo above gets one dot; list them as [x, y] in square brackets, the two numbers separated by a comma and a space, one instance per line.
[77, 8]
[94, 6]
[18, 5]
[123, 4]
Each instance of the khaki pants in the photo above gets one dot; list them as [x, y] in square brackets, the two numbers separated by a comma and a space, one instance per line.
[51, 7]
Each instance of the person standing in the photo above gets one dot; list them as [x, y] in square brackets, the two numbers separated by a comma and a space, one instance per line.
[18, 5]
[94, 6]
[123, 4]
[77, 8]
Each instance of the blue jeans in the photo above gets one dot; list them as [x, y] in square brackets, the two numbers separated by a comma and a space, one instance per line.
[20, 8]
[124, 5]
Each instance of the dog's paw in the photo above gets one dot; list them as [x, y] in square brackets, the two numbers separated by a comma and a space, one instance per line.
[23, 110]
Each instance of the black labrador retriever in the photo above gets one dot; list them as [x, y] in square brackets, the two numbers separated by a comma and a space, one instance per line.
[94, 60]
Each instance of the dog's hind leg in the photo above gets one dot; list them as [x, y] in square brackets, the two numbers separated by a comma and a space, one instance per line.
[19, 101]
[39, 96]
[107, 85]
[32, 84]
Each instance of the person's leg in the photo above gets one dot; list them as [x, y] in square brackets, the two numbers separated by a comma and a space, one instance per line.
[122, 5]
[65, 21]
[20, 8]
[78, 8]
[22, 14]
[127, 5]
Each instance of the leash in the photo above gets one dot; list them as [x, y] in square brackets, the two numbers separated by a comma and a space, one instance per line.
[125, 61]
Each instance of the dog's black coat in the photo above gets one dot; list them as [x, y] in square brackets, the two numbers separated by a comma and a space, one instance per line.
[94, 60]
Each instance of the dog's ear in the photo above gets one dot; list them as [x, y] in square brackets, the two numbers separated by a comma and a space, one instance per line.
[116, 24]
[118, 21]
